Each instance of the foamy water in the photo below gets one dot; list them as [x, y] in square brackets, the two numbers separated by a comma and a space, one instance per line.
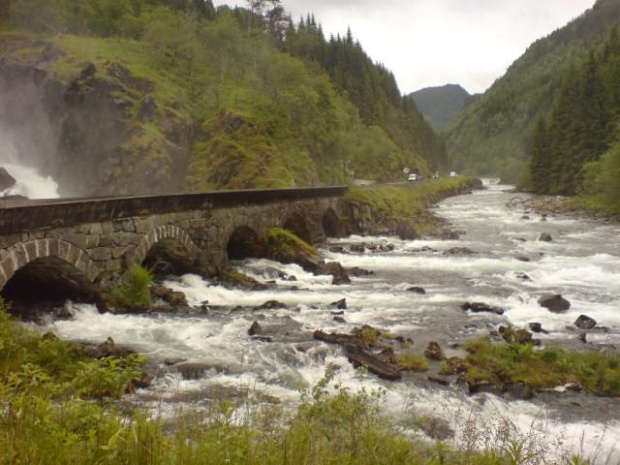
[582, 263]
[30, 183]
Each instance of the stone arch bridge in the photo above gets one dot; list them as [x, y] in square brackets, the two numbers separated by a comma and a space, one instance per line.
[99, 238]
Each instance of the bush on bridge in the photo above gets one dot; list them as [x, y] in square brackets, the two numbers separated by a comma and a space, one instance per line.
[133, 292]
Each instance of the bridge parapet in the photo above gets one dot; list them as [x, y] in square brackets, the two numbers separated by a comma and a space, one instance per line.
[110, 234]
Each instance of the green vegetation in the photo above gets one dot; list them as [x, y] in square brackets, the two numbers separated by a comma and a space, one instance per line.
[133, 292]
[504, 364]
[576, 149]
[280, 240]
[255, 110]
[386, 205]
[440, 105]
[412, 362]
[494, 134]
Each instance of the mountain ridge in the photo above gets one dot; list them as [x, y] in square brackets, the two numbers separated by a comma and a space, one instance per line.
[494, 134]
[440, 104]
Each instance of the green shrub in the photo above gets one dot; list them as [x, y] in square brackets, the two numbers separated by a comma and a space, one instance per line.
[278, 239]
[133, 292]
[549, 367]
[412, 362]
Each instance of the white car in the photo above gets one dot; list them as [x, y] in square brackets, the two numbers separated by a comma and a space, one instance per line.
[453, 174]
[412, 177]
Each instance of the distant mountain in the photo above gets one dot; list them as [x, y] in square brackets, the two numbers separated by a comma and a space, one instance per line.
[493, 135]
[440, 105]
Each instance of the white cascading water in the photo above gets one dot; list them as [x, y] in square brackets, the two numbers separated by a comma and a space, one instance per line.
[582, 263]
[30, 183]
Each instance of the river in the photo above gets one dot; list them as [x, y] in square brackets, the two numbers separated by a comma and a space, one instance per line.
[582, 263]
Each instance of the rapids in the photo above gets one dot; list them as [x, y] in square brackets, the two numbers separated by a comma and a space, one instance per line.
[582, 263]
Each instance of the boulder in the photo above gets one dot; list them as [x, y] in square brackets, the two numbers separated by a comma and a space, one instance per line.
[479, 386]
[171, 361]
[417, 290]
[193, 371]
[449, 235]
[480, 307]
[554, 303]
[256, 329]
[271, 305]
[405, 231]
[459, 251]
[519, 391]
[174, 298]
[519, 336]
[523, 259]
[585, 322]
[339, 319]
[537, 328]
[545, 237]
[358, 272]
[434, 351]
[358, 248]
[436, 428]
[336, 270]
[373, 363]
[108, 349]
[6, 180]
[340, 304]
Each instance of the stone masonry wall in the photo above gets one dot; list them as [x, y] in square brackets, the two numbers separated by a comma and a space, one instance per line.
[103, 250]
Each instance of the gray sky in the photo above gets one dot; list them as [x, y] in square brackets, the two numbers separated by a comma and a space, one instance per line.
[435, 42]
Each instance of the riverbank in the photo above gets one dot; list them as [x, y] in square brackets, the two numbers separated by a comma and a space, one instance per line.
[576, 207]
[401, 210]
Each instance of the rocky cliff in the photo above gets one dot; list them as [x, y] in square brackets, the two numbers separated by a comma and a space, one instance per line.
[98, 133]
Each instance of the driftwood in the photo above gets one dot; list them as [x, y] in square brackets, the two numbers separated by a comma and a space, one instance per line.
[359, 357]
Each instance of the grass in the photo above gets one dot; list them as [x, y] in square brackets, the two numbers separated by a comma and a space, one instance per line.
[133, 291]
[504, 364]
[412, 362]
[278, 239]
[391, 203]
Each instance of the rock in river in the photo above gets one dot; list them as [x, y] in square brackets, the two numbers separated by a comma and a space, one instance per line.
[545, 237]
[434, 351]
[585, 322]
[479, 307]
[554, 303]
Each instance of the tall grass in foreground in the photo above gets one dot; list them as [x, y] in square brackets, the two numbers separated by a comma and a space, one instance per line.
[50, 413]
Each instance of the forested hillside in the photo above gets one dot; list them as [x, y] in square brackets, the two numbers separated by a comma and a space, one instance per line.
[440, 105]
[494, 135]
[209, 98]
[577, 149]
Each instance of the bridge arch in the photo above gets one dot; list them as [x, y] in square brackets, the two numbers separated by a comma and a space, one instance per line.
[298, 225]
[24, 253]
[244, 242]
[159, 234]
[331, 223]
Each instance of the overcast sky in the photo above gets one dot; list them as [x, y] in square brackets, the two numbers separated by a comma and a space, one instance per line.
[435, 42]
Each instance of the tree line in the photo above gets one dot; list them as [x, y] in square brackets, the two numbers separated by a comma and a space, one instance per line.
[575, 149]
[309, 104]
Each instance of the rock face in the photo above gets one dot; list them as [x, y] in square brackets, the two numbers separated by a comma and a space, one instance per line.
[585, 322]
[554, 303]
[6, 180]
[86, 129]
